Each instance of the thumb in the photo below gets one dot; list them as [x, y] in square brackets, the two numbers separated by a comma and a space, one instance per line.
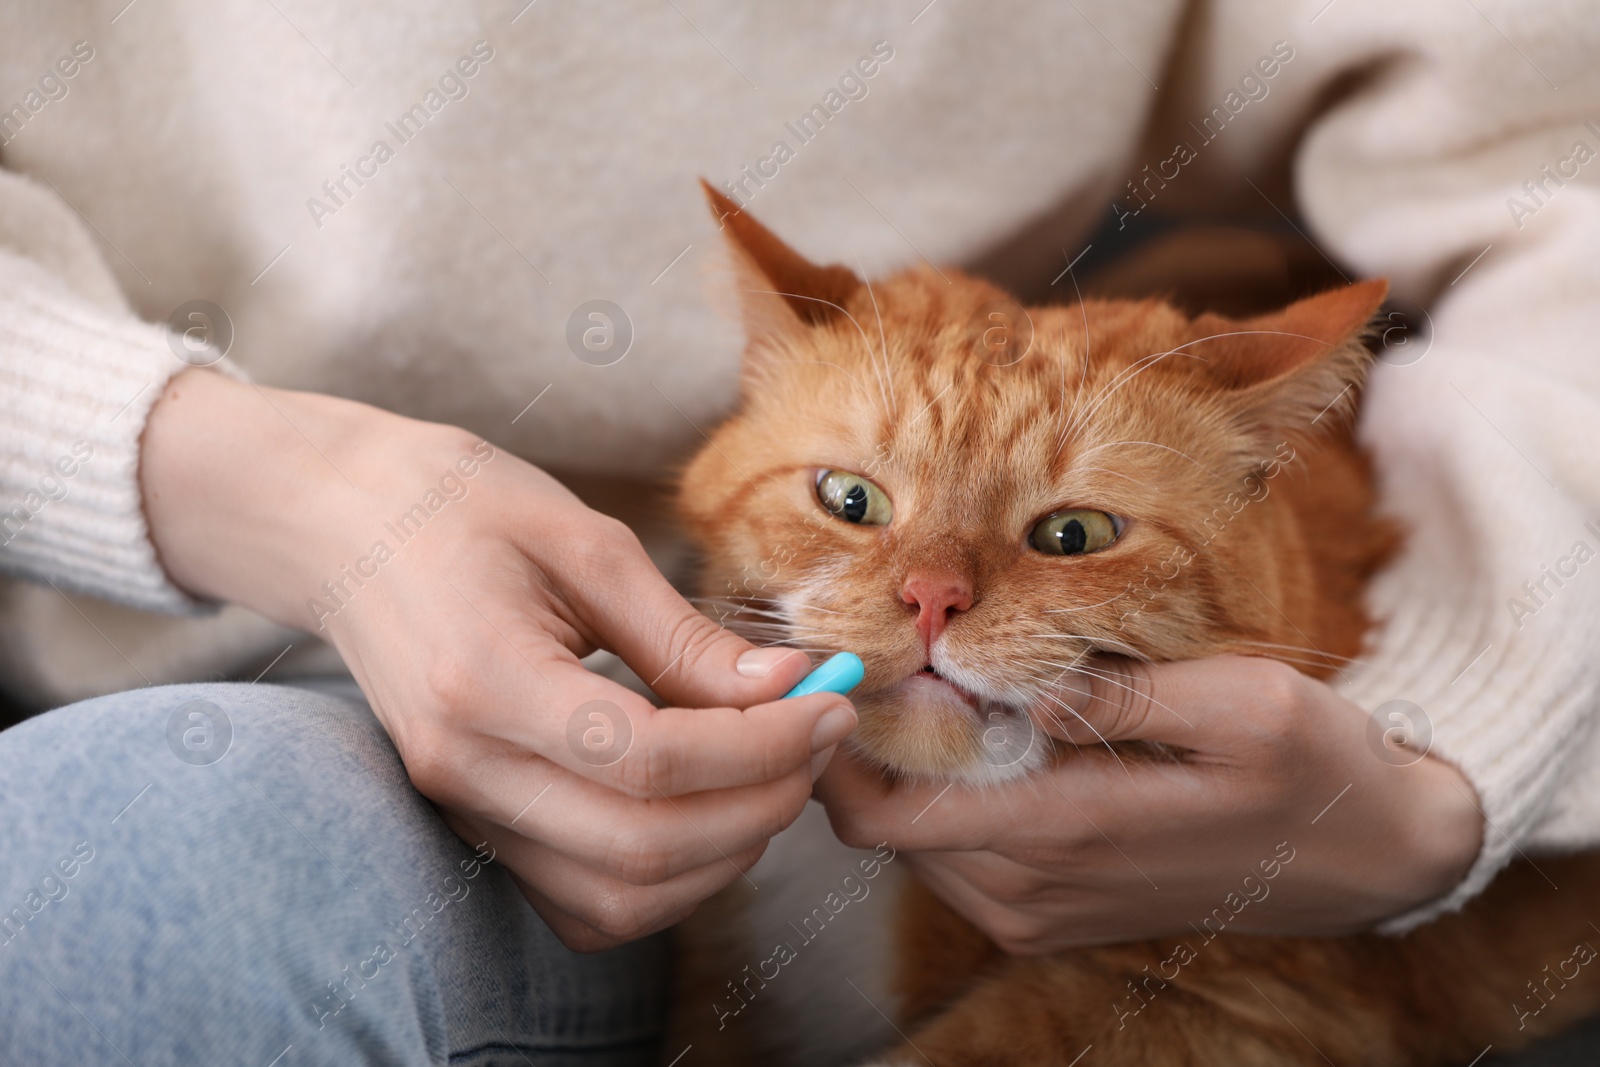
[687, 659]
[1117, 699]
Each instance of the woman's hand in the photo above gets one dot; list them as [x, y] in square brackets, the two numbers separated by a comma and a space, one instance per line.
[1280, 819]
[461, 586]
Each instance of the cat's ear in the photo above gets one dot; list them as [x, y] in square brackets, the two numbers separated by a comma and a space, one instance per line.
[780, 291]
[1293, 366]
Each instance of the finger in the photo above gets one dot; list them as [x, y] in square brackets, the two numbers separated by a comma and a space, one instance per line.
[1084, 809]
[1018, 931]
[1189, 703]
[866, 809]
[614, 910]
[686, 658]
[636, 841]
[603, 731]
[1066, 920]
[1106, 700]
[598, 729]
[573, 932]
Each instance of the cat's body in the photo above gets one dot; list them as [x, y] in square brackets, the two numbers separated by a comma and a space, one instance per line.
[976, 504]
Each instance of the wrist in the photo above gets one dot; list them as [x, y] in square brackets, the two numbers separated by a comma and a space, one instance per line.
[248, 490]
[1444, 829]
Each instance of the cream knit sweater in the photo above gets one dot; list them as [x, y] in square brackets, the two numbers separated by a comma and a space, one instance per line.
[406, 209]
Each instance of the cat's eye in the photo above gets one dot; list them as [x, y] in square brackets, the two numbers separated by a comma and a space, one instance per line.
[1072, 533]
[852, 498]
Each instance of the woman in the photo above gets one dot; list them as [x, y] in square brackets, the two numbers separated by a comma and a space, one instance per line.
[426, 217]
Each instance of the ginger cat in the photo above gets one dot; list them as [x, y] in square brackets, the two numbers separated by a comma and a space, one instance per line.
[974, 505]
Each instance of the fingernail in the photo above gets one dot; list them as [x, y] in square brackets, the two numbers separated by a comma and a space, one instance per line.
[835, 723]
[759, 662]
[819, 762]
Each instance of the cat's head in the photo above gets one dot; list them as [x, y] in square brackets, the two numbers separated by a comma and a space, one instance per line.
[975, 498]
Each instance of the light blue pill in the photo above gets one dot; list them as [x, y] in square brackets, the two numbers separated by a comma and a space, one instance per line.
[837, 674]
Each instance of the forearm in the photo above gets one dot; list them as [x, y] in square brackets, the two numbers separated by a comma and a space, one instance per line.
[1484, 432]
[256, 496]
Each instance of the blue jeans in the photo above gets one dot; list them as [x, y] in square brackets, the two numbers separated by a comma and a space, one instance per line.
[208, 874]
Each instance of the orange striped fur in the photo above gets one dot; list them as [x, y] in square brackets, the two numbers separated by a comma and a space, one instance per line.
[1224, 446]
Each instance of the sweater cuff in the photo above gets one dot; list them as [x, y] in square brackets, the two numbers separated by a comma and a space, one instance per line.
[1506, 697]
[77, 382]
[1482, 716]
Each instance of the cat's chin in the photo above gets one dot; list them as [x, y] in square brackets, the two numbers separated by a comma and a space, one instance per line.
[928, 690]
[927, 727]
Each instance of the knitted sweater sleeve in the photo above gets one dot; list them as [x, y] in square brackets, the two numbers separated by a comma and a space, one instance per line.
[1464, 174]
[79, 372]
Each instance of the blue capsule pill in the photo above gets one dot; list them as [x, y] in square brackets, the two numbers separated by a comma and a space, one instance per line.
[836, 674]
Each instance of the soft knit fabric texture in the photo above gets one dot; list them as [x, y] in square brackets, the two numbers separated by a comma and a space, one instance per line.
[80, 376]
[206, 151]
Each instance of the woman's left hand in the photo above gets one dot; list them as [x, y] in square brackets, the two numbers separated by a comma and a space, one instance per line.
[1280, 816]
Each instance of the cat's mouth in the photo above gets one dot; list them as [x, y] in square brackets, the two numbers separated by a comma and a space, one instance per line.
[938, 725]
[928, 682]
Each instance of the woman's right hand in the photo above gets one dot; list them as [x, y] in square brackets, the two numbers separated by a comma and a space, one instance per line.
[616, 817]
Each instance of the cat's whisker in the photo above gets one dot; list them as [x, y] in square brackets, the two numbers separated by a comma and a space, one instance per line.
[1123, 378]
[754, 626]
[822, 610]
[1057, 719]
[865, 343]
[1108, 470]
[1294, 657]
[780, 638]
[1067, 668]
[747, 603]
[1245, 333]
[1298, 662]
[1086, 607]
[1082, 411]
[746, 613]
[1153, 444]
[1066, 409]
[1145, 363]
[1106, 676]
[1133, 653]
[818, 649]
[883, 342]
[752, 620]
[737, 607]
[756, 615]
[1074, 667]
[1297, 648]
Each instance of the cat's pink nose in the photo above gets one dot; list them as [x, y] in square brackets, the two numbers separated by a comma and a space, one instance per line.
[937, 595]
